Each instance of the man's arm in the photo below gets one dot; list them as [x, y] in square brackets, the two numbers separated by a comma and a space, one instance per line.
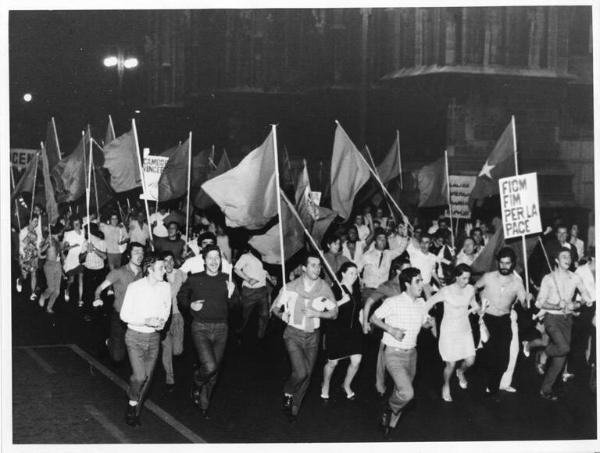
[585, 294]
[101, 287]
[398, 334]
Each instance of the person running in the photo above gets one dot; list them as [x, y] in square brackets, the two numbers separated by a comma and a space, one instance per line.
[72, 242]
[333, 255]
[207, 295]
[352, 247]
[93, 267]
[119, 279]
[556, 298]
[52, 270]
[499, 291]
[146, 308]
[343, 335]
[195, 264]
[115, 236]
[172, 343]
[301, 304]
[29, 254]
[456, 338]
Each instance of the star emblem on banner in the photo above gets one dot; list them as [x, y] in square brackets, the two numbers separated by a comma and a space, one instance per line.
[485, 171]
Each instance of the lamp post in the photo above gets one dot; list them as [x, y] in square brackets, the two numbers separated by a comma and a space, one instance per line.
[122, 64]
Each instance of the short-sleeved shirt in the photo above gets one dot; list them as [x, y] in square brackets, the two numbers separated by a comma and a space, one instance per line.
[72, 258]
[375, 265]
[404, 313]
[120, 279]
[112, 236]
[92, 260]
[253, 268]
[137, 233]
[425, 262]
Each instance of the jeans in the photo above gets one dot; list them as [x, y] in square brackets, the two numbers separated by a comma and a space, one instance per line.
[558, 328]
[258, 297]
[116, 339]
[172, 345]
[142, 349]
[210, 339]
[53, 273]
[402, 366]
[497, 349]
[302, 348]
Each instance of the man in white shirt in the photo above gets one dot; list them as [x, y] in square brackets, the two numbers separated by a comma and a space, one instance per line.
[353, 248]
[254, 290]
[195, 264]
[401, 318]
[375, 264]
[425, 261]
[93, 267]
[146, 308]
[72, 242]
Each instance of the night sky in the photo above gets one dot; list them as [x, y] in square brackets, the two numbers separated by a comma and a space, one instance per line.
[57, 56]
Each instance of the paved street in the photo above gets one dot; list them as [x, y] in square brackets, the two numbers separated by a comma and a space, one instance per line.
[66, 391]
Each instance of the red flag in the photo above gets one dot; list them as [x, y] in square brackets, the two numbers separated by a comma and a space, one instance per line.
[201, 200]
[247, 193]
[349, 172]
[499, 164]
[173, 180]
[389, 168]
[26, 181]
[69, 175]
[51, 144]
[51, 206]
[431, 180]
[121, 161]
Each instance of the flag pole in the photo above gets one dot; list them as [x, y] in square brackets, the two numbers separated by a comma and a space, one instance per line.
[95, 188]
[35, 171]
[87, 192]
[399, 158]
[139, 159]
[281, 250]
[377, 171]
[12, 180]
[449, 201]
[523, 245]
[211, 159]
[43, 148]
[312, 241]
[189, 182]
[112, 127]
[56, 138]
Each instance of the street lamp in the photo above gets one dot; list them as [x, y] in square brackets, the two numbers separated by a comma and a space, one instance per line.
[27, 97]
[122, 63]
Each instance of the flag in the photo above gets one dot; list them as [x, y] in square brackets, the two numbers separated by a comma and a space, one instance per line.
[201, 199]
[173, 180]
[389, 168]
[51, 145]
[431, 180]
[122, 163]
[100, 188]
[26, 181]
[247, 193]
[349, 172]
[69, 175]
[110, 132]
[268, 244]
[499, 164]
[51, 206]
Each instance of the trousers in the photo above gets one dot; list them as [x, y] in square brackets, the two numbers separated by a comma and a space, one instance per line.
[142, 349]
[210, 339]
[497, 349]
[558, 328]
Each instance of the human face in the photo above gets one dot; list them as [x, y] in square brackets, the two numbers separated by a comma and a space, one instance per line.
[212, 262]
[416, 286]
[137, 256]
[169, 264]
[157, 271]
[34, 222]
[379, 213]
[564, 260]
[172, 230]
[350, 276]
[477, 237]
[76, 224]
[417, 233]
[206, 242]
[469, 246]
[359, 220]
[380, 242]
[312, 269]
[335, 246]
[463, 279]
[574, 231]
[561, 235]
[114, 220]
[352, 235]
[425, 244]
[505, 266]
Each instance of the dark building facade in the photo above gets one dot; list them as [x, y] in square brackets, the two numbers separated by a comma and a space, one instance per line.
[446, 78]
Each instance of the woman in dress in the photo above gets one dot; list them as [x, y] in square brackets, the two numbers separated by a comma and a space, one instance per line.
[344, 336]
[456, 339]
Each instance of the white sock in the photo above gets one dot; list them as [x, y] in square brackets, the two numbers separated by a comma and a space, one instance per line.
[133, 403]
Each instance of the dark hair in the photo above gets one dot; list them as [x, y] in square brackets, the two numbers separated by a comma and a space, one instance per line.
[330, 239]
[310, 255]
[130, 247]
[397, 265]
[425, 236]
[74, 218]
[149, 260]
[166, 253]
[210, 248]
[461, 269]
[406, 277]
[378, 232]
[207, 235]
[343, 268]
[507, 252]
[474, 230]
[561, 250]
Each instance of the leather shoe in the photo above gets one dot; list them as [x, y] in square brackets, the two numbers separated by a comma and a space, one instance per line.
[385, 423]
[204, 414]
[131, 417]
[288, 402]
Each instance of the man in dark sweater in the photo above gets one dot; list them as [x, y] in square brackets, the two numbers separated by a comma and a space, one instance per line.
[207, 295]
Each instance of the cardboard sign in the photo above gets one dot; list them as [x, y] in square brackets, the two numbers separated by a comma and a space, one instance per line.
[20, 157]
[460, 190]
[520, 205]
[153, 168]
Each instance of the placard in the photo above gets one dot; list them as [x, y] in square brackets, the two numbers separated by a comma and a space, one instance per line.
[520, 205]
[460, 191]
[20, 157]
[153, 168]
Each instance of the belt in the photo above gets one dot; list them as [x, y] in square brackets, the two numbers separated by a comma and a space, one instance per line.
[397, 349]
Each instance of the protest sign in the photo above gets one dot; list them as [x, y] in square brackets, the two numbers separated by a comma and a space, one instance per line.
[20, 157]
[520, 205]
[460, 191]
[153, 168]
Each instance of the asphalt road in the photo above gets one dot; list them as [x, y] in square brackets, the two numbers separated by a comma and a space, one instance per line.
[66, 390]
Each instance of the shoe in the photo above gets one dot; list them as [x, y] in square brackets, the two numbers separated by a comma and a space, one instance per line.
[18, 285]
[446, 394]
[131, 417]
[385, 424]
[170, 388]
[381, 395]
[550, 396]
[350, 396]
[110, 292]
[49, 311]
[526, 350]
[462, 381]
[566, 377]
[204, 414]
[288, 402]
[539, 367]
[42, 302]
[87, 318]
[33, 296]
[195, 395]
[509, 389]
[80, 304]
[66, 297]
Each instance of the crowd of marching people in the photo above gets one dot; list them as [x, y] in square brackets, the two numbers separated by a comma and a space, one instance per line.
[375, 276]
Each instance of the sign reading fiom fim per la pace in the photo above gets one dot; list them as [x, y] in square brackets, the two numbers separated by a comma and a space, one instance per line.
[520, 205]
